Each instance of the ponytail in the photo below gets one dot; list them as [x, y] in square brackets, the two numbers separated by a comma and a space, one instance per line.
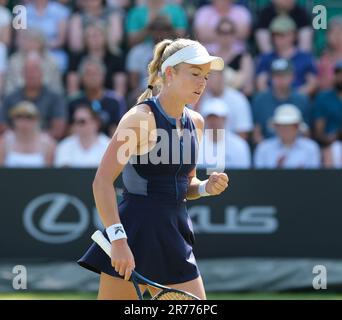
[153, 69]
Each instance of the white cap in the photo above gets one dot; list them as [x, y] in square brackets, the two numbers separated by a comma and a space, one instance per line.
[215, 106]
[287, 114]
[193, 54]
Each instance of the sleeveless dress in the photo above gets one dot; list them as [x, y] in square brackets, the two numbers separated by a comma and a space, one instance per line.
[153, 210]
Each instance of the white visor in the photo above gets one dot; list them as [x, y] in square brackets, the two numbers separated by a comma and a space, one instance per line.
[193, 54]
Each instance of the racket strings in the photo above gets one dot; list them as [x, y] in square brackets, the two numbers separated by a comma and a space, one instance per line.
[169, 295]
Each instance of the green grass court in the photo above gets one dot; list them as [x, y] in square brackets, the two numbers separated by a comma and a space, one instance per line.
[211, 296]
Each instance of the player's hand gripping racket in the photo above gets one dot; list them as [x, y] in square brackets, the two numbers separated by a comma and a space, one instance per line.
[166, 293]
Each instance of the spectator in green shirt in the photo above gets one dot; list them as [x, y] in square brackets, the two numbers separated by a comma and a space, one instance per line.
[140, 17]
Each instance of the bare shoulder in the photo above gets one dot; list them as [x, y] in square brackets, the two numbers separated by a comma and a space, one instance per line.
[133, 117]
[196, 118]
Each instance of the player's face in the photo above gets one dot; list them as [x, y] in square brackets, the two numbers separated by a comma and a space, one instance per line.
[189, 81]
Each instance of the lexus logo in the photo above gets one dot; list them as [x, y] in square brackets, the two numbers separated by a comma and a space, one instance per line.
[56, 218]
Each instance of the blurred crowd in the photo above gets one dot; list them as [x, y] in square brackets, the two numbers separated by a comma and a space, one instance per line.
[68, 78]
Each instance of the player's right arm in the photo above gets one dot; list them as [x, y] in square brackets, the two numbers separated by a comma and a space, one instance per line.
[131, 135]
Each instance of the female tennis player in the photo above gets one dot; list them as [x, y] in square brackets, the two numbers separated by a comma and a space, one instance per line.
[150, 230]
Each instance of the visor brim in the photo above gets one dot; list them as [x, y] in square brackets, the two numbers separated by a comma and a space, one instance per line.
[217, 63]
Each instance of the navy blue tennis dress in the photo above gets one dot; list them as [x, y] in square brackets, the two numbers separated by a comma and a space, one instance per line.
[153, 210]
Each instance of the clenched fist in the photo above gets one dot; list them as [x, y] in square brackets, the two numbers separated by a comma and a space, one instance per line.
[217, 183]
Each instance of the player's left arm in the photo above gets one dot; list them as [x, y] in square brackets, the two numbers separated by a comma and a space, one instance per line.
[217, 182]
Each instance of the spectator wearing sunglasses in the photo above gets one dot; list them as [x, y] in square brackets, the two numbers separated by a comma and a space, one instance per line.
[239, 70]
[86, 146]
[25, 144]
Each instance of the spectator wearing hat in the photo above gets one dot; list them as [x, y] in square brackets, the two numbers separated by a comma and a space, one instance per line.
[328, 111]
[86, 146]
[331, 54]
[109, 106]
[281, 92]
[289, 7]
[141, 55]
[221, 148]
[240, 118]
[287, 149]
[51, 105]
[284, 34]
[25, 145]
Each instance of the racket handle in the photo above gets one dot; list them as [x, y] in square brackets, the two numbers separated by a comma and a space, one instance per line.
[106, 246]
[100, 239]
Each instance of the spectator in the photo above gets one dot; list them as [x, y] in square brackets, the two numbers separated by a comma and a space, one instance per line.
[5, 24]
[284, 7]
[109, 107]
[139, 19]
[96, 46]
[51, 105]
[328, 111]
[140, 56]
[287, 150]
[51, 18]
[86, 146]
[221, 148]
[3, 66]
[207, 18]
[26, 145]
[283, 31]
[240, 68]
[332, 155]
[240, 118]
[32, 40]
[331, 55]
[281, 92]
[95, 11]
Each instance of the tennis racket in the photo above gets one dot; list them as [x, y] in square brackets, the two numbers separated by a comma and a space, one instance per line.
[166, 293]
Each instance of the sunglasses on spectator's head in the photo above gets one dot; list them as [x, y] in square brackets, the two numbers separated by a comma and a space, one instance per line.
[81, 121]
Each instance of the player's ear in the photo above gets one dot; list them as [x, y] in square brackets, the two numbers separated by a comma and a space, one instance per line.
[169, 72]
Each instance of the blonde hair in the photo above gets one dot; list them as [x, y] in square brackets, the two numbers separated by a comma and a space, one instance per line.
[162, 51]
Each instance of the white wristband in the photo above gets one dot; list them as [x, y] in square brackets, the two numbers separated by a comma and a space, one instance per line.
[116, 232]
[201, 189]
